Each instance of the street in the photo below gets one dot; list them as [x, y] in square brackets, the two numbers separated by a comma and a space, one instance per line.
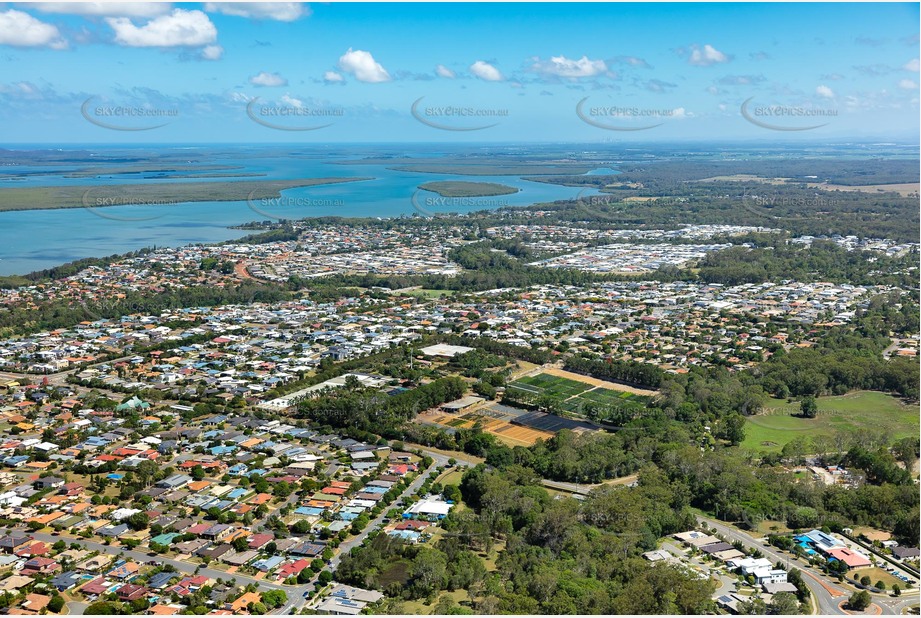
[827, 595]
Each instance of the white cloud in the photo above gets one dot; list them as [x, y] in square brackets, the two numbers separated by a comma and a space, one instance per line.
[332, 76]
[443, 71]
[825, 92]
[633, 61]
[109, 9]
[212, 52]
[277, 11]
[20, 29]
[913, 65]
[180, 28]
[907, 84]
[362, 65]
[270, 80]
[707, 55]
[679, 113]
[291, 101]
[486, 71]
[561, 66]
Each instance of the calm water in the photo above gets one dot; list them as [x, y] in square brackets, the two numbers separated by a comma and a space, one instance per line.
[37, 239]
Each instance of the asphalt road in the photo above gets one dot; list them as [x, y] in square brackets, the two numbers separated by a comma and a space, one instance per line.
[141, 557]
[297, 601]
[827, 602]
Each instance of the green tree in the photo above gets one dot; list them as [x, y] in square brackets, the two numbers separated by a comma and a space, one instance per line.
[784, 604]
[859, 601]
[100, 608]
[56, 604]
[808, 407]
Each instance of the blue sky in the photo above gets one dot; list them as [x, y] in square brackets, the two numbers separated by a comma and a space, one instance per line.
[245, 72]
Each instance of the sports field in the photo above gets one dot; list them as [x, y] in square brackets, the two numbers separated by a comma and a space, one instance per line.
[512, 435]
[857, 411]
[573, 394]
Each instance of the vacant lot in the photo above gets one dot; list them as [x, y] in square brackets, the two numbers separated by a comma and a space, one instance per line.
[858, 411]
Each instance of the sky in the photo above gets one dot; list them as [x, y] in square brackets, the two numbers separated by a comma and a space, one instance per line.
[137, 72]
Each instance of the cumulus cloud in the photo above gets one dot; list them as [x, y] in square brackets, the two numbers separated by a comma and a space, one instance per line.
[907, 84]
[180, 28]
[679, 113]
[825, 92]
[269, 80]
[332, 76]
[443, 71]
[277, 11]
[486, 71]
[20, 29]
[912, 65]
[362, 65]
[706, 56]
[632, 61]
[561, 66]
[291, 101]
[212, 52]
[110, 9]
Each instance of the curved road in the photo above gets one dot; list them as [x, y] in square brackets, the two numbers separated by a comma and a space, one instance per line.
[827, 595]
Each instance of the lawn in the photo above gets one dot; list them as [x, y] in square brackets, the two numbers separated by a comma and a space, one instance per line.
[573, 395]
[553, 386]
[858, 411]
[451, 477]
[427, 293]
[769, 526]
[877, 574]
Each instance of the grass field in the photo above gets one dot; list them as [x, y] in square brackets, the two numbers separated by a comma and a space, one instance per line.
[425, 293]
[573, 394]
[553, 386]
[858, 411]
[451, 477]
[877, 574]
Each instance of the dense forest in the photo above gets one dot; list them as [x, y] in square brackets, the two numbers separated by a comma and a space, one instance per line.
[557, 556]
